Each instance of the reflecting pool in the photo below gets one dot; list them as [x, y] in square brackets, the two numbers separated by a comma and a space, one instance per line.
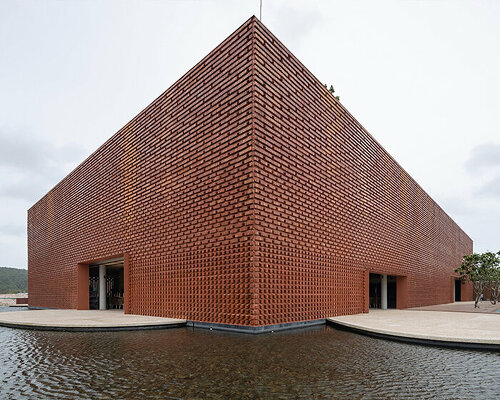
[318, 362]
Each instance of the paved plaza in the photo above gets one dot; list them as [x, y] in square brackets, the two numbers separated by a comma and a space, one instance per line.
[463, 306]
[84, 320]
[441, 326]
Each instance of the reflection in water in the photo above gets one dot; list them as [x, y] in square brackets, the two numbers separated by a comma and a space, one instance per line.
[318, 362]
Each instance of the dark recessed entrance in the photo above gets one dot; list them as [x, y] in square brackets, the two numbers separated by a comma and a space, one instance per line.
[112, 285]
[391, 291]
[458, 290]
[376, 292]
[375, 288]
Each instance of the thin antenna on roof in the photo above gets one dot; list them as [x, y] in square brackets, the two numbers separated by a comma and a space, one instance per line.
[260, 15]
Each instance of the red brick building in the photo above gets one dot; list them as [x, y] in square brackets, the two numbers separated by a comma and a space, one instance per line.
[245, 194]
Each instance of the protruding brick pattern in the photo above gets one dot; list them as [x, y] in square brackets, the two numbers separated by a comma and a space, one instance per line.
[172, 188]
[331, 202]
[245, 194]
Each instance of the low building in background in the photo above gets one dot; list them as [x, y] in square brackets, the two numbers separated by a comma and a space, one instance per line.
[245, 195]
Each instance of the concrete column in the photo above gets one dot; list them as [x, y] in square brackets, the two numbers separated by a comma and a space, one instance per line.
[383, 293]
[102, 287]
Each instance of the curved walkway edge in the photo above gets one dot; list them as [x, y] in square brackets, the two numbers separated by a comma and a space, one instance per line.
[456, 330]
[85, 321]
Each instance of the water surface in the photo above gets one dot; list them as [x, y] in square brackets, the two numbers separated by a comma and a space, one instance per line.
[318, 362]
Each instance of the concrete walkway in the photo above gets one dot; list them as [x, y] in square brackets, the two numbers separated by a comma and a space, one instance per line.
[456, 329]
[462, 306]
[84, 320]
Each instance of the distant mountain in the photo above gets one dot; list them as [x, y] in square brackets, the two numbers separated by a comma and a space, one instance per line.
[13, 280]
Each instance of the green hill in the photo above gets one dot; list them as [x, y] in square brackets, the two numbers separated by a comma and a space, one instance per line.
[13, 280]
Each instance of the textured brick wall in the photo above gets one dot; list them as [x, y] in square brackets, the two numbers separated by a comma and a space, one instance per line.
[332, 203]
[171, 189]
[244, 194]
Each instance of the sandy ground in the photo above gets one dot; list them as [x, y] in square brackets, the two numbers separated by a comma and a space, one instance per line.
[9, 299]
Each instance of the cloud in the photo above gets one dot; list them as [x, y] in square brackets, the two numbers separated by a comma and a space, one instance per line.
[486, 155]
[455, 205]
[30, 166]
[12, 230]
[21, 152]
[293, 23]
[491, 188]
[29, 187]
[484, 167]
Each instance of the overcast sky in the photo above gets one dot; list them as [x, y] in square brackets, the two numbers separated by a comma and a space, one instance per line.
[423, 77]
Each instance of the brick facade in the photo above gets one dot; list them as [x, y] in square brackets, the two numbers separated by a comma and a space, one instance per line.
[245, 194]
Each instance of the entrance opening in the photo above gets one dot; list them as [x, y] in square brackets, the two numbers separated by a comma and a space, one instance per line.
[106, 285]
[458, 290]
[375, 288]
[391, 291]
[381, 297]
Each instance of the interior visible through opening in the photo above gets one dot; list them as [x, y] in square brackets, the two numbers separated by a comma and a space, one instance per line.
[382, 291]
[106, 278]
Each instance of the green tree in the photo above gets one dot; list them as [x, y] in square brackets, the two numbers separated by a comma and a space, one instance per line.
[332, 91]
[482, 270]
[494, 284]
[13, 280]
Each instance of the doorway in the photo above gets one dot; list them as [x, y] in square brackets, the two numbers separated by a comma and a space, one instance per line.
[380, 298]
[106, 285]
[458, 290]
[375, 289]
[391, 291]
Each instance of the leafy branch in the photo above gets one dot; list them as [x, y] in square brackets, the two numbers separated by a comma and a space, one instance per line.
[332, 91]
[483, 271]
